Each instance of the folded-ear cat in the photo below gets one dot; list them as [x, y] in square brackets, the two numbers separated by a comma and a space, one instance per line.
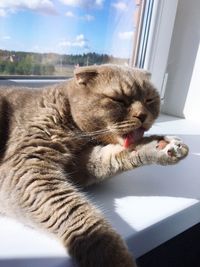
[57, 139]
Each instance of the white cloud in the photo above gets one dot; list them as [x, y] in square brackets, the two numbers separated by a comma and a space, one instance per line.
[80, 41]
[120, 5]
[125, 35]
[86, 17]
[80, 37]
[6, 37]
[83, 3]
[44, 6]
[70, 14]
[2, 12]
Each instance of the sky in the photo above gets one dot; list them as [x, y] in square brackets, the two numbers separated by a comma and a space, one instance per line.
[68, 26]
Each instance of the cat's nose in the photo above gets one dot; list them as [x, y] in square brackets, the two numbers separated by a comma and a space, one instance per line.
[142, 117]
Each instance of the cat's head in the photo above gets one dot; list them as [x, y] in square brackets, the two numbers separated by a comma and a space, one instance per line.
[115, 104]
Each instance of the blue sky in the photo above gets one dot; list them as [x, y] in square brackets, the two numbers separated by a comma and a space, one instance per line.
[67, 26]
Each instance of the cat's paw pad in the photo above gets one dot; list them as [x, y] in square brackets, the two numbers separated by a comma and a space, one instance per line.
[174, 148]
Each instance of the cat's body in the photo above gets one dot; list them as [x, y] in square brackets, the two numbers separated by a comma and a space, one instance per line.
[55, 140]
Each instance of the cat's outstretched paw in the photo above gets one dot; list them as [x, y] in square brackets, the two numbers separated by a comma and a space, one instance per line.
[171, 149]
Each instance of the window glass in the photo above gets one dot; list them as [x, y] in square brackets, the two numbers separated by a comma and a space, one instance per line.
[51, 37]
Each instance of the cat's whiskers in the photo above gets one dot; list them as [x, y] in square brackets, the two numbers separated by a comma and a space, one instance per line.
[115, 128]
[125, 122]
[125, 125]
[94, 133]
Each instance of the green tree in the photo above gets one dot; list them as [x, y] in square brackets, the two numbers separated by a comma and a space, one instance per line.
[10, 68]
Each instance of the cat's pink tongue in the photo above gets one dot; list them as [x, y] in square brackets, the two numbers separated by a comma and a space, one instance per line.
[133, 137]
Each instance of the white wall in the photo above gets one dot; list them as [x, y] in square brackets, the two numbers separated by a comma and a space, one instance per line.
[192, 105]
[182, 57]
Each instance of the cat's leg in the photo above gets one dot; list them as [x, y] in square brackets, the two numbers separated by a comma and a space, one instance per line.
[42, 196]
[101, 162]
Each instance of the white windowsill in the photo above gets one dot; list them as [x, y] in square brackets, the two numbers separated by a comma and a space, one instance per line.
[147, 206]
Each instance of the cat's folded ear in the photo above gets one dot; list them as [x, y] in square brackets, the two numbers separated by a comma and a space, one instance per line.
[147, 74]
[144, 72]
[83, 75]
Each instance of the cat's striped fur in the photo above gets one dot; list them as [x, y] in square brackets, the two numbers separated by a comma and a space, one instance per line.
[55, 140]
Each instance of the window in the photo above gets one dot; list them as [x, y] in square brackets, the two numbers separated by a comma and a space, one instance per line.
[51, 37]
[48, 38]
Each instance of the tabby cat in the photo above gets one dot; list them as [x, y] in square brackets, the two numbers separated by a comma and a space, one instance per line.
[57, 139]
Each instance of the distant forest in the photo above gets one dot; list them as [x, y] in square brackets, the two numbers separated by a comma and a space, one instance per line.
[27, 63]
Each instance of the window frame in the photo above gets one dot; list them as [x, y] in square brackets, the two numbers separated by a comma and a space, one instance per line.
[156, 40]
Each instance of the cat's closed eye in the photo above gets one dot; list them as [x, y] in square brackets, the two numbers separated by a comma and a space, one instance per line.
[121, 100]
[151, 100]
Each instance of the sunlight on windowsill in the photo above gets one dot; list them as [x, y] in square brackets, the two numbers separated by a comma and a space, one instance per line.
[196, 154]
[162, 207]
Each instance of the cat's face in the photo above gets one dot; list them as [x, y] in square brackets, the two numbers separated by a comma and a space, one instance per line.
[115, 104]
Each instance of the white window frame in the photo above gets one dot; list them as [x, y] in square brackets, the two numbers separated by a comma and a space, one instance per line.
[158, 40]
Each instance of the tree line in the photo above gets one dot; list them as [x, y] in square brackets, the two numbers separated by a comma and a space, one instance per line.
[21, 63]
[26, 63]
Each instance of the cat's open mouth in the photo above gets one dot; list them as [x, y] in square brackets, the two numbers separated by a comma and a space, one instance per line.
[132, 137]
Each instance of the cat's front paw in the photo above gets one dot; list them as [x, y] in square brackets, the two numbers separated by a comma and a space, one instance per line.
[170, 150]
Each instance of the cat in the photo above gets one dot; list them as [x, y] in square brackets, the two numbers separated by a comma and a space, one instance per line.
[58, 139]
